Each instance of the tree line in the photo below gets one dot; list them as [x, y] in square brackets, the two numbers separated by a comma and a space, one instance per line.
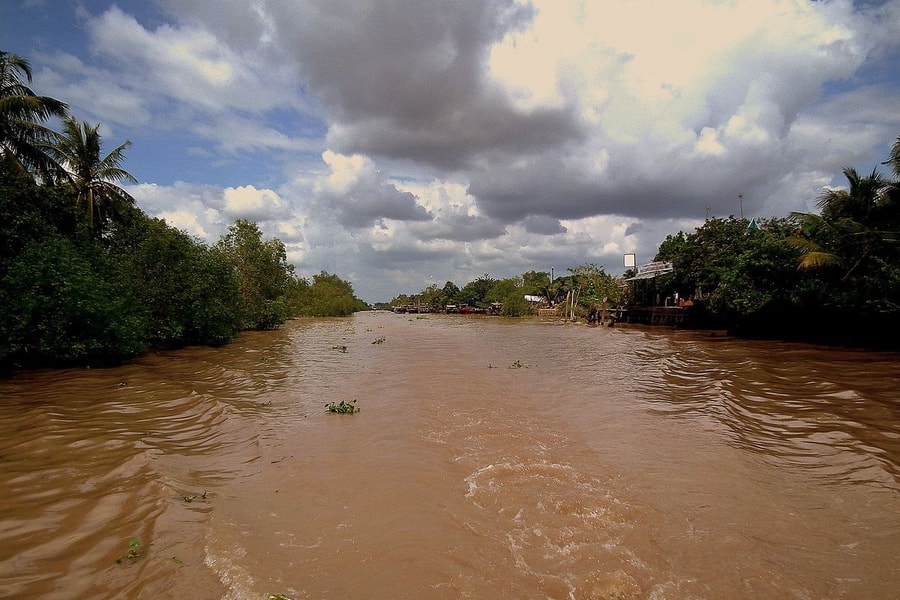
[586, 288]
[87, 278]
[831, 276]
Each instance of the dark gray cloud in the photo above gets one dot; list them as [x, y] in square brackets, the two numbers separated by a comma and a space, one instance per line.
[676, 184]
[363, 204]
[542, 225]
[460, 228]
[406, 79]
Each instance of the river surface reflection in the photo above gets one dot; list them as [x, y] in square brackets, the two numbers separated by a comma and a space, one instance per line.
[490, 459]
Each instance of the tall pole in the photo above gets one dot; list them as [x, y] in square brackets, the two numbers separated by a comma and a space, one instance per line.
[741, 200]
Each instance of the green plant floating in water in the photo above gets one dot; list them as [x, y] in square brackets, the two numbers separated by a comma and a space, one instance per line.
[279, 597]
[134, 552]
[517, 365]
[346, 408]
[379, 340]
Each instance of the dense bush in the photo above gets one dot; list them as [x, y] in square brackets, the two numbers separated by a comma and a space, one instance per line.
[188, 291]
[59, 308]
[327, 295]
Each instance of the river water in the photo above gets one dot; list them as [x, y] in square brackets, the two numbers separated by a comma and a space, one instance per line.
[490, 459]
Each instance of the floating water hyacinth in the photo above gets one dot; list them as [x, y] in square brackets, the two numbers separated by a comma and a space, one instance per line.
[342, 407]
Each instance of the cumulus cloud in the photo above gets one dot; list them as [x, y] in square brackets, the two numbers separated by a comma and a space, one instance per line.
[249, 203]
[359, 195]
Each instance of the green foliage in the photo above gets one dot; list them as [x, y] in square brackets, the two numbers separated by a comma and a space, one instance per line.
[475, 293]
[535, 283]
[134, 552]
[832, 276]
[327, 296]
[22, 112]
[263, 274]
[342, 407]
[853, 251]
[57, 307]
[595, 286]
[510, 294]
[29, 212]
[703, 257]
[189, 291]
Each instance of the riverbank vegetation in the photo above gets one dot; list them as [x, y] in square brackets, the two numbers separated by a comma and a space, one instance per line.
[828, 277]
[583, 288]
[831, 276]
[87, 278]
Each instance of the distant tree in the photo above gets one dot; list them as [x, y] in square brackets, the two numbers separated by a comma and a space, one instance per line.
[449, 292]
[30, 212]
[22, 112]
[509, 292]
[894, 158]
[431, 296]
[860, 202]
[535, 283]
[263, 274]
[702, 258]
[762, 279]
[475, 292]
[596, 287]
[733, 272]
[328, 296]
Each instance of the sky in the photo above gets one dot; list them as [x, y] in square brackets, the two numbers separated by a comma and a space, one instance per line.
[404, 143]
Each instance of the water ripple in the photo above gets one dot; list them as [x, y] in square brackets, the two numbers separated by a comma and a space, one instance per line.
[832, 413]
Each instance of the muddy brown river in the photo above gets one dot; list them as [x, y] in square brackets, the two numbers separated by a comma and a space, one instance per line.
[491, 459]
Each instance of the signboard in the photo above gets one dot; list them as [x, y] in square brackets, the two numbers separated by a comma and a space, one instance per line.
[653, 269]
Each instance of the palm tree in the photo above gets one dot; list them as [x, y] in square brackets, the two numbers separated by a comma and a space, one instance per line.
[892, 197]
[862, 198]
[894, 159]
[77, 150]
[855, 224]
[21, 115]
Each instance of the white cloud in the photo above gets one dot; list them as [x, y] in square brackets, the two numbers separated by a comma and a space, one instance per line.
[247, 202]
[186, 63]
[359, 195]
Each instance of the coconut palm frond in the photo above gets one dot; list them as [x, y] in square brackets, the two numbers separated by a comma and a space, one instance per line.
[818, 259]
[894, 158]
[21, 114]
